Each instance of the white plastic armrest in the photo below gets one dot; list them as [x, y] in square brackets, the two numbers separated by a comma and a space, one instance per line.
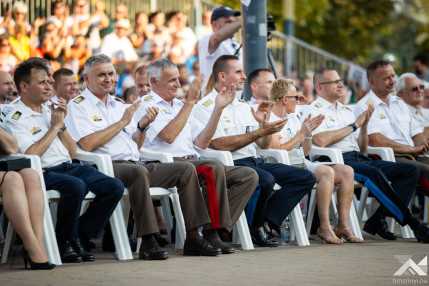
[385, 153]
[333, 154]
[146, 154]
[102, 161]
[281, 156]
[224, 156]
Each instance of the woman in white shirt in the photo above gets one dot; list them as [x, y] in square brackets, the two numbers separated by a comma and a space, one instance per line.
[296, 138]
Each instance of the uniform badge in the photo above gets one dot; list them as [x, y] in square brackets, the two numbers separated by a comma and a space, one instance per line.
[208, 103]
[16, 115]
[382, 116]
[35, 130]
[96, 118]
[78, 99]
[148, 98]
[318, 105]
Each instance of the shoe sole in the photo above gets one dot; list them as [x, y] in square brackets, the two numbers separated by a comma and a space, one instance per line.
[198, 253]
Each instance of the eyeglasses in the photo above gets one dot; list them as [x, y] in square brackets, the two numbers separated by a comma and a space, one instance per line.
[418, 88]
[296, 97]
[338, 81]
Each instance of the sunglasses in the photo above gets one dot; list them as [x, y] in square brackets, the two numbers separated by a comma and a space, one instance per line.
[338, 81]
[296, 97]
[417, 88]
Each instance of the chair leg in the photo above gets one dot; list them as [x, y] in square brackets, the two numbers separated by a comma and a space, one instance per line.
[120, 236]
[311, 210]
[10, 234]
[299, 226]
[50, 238]
[241, 233]
[426, 210]
[354, 223]
[180, 222]
[168, 216]
[362, 203]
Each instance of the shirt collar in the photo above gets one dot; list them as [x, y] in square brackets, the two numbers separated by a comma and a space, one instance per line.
[19, 104]
[96, 101]
[392, 98]
[158, 99]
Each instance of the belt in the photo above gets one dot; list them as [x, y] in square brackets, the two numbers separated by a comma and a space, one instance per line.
[186, 158]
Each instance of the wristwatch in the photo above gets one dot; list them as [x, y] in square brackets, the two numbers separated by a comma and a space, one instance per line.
[353, 126]
[142, 130]
[62, 129]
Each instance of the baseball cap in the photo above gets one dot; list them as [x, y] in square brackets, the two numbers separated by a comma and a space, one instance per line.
[223, 11]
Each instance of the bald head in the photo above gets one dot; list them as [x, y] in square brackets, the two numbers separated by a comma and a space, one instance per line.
[7, 88]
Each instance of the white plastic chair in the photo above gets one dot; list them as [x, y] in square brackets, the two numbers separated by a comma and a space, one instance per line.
[386, 154]
[298, 225]
[335, 156]
[241, 233]
[164, 195]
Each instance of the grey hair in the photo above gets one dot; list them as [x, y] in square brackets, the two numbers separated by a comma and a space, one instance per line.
[400, 83]
[157, 67]
[95, 60]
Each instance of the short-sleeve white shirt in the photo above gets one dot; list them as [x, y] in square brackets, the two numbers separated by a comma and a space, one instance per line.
[88, 114]
[337, 116]
[236, 119]
[29, 126]
[393, 120]
[183, 144]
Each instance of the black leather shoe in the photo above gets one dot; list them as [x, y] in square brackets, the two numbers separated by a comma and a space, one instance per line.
[77, 247]
[161, 240]
[68, 255]
[379, 227]
[421, 232]
[150, 249]
[199, 247]
[260, 238]
[213, 237]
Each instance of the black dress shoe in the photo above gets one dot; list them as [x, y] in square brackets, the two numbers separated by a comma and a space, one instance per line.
[161, 240]
[379, 226]
[85, 255]
[199, 247]
[150, 249]
[213, 237]
[260, 238]
[68, 255]
[421, 232]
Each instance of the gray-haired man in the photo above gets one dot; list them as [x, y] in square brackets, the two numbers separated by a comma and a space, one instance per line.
[102, 123]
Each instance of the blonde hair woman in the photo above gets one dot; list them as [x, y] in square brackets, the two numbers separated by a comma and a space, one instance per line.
[296, 137]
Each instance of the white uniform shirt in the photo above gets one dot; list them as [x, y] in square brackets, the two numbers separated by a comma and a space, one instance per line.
[236, 119]
[29, 126]
[420, 115]
[337, 116]
[291, 128]
[183, 144]
[88, 114]
[393, 120]
[226, 47]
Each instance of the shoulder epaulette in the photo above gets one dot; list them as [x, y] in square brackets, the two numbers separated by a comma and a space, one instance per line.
[119, 99]
[16, 115]
[79, 99]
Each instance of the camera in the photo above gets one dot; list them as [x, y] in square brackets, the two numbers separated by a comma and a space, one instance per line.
[271, 26]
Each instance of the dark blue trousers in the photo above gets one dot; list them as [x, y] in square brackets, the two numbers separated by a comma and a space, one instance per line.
[74, 181]
[392, 184]
[275, 206]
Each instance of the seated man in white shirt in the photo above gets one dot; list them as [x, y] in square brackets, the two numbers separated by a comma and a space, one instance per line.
[392, 184]
[66, 85]
[175, 131]
[40, 130]
[104, 124]
[239, 131]
[392, 124]
[260, 82]
[141, 80]
[296, 137]
[411, 89]
[225, 24]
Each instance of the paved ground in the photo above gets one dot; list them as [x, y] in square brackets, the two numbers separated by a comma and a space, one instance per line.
[370, 264]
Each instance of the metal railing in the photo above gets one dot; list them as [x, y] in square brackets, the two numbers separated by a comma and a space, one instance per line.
[296, 57]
